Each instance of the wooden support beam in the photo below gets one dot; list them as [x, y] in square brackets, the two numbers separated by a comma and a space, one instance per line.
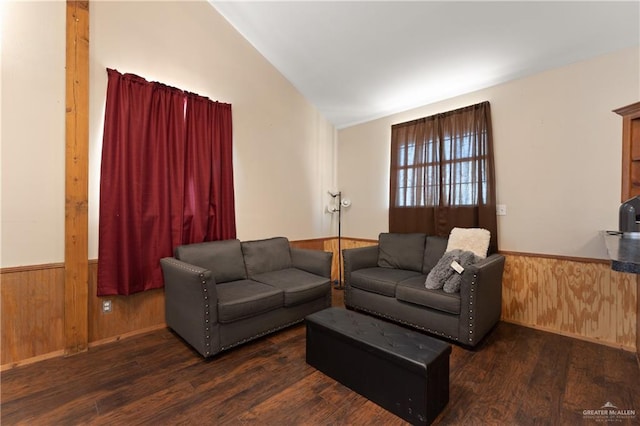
[76, 286]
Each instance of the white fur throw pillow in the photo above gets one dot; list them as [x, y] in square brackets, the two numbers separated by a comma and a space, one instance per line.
[475, 240]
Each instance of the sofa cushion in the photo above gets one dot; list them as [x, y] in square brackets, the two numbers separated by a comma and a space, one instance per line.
[268, 255]
[299, 286]
[413, 290]
[380, 280]
[245, 299]
[434, 249]
[223, 258]
[401, 251]
[447, 276]
[470, 239]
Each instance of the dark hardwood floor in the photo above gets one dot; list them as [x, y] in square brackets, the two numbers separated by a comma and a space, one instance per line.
[519, 376]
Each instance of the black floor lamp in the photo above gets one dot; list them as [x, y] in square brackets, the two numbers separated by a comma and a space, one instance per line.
[333, 209]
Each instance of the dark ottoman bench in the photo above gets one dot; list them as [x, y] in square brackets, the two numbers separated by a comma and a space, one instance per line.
[401, 370]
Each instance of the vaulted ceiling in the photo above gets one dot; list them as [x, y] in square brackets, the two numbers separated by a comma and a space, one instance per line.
[357, 61]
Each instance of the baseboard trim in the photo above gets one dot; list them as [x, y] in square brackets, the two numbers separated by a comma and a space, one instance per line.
[61, 353]
[126, 335]
[32, 360]
[570, 335]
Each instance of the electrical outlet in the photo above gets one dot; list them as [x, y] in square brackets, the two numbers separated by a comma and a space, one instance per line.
[501, 210]
[106, 306]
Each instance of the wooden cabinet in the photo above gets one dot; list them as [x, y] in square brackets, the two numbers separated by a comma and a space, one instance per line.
[631, 173]
[630, 150]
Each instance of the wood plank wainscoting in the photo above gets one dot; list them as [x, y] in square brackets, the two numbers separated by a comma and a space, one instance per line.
[32, 313]
[33, 306]
[576, 297]
[32, 303]
[580, 298]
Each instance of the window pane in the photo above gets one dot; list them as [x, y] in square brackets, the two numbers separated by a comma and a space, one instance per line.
[435, 171]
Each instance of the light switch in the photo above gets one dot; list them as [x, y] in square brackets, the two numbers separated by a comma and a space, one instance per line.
[501, 209]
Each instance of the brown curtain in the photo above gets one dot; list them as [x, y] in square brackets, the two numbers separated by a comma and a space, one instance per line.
[442, 173]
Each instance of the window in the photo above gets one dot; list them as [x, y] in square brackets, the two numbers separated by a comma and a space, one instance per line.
[442, 169]
[439, 163]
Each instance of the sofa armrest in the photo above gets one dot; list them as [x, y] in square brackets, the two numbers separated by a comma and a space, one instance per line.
[191, 304]
[481, 298]
[359, 258]
[314, 261]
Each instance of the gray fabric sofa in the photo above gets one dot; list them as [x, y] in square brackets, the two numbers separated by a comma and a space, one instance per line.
[388, 280]
[221, 294]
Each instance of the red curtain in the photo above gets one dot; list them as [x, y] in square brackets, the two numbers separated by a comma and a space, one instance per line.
[166, 179]
[209, 185]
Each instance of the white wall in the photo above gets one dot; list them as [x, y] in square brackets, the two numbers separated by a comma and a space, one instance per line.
[557, 141]
[32, 82]
[284, 150]
[557, 152]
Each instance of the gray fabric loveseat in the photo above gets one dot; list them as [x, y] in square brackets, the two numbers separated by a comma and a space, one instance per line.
[388, 280]
[221, 294]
